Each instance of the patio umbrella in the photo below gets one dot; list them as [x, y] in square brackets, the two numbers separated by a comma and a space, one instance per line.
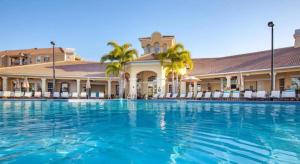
[88, 86]
[25, 84]
[17, 84]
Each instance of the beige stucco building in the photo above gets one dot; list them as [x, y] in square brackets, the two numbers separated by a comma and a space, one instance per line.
[146, 76]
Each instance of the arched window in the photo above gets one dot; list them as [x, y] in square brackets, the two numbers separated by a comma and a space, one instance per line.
[156, 48]
[165, 47]
[148, 49]
[151, 78]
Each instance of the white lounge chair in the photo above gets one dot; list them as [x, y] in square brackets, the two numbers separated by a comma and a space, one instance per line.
[65, 94]
[168, 96]
[28, 94]
[37, 94]
[74, 95]
[217, 95]
[101, 95]
[261, 94]
[199, 95]
[236, 94]
[275, 94]
[93, 95]
[182, 95]
[155, 96]
[207, 95]
[18, 94]
[47, 95]
[288, 94]
[226, 94]
[248, 95]
[83, 95]
[56, 95]
[174, 96]
[189, 95]
[6, 94]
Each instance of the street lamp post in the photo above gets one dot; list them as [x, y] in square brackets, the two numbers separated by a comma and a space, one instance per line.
[271, 24]
[53, 65]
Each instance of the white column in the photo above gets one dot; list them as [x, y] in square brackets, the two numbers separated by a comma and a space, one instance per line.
[161, 85]
[9, 61]
[43, 85]
[222, 84]
[133, 88]
[195, 88]
[121, 88]
[182, 87]
[21, 60]
[274, 82]
[4, 83]
[109, 88]
[242, 86]
[78, 86]
[228, 86]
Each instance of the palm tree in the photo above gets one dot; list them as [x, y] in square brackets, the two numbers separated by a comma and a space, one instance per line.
[117, 59]
[175, 59]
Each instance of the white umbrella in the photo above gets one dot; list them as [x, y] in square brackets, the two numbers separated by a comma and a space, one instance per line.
[25, 83]
[88, 84]
[18, 85]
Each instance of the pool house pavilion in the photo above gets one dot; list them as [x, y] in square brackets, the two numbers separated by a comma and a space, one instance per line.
[146, 76]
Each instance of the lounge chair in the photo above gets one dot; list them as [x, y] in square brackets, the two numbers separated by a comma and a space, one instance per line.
[261, 95]
[83, 95]
[189, 95]
[226, 94]
[93, 95]
[101, 95]
[74, 95]
[18, 94]
[275, 94]
[288, 94]
[199, 95]
[161, 96]
[6, 94]
[182, 95]
[28, 95]
[65, 94]
[47, 95]
[56, 95]
[174, 96]
[207, 95]
[37, 94]
[236, 94]
[248, 94]
[217, 95]
[168, 96]
[155, 96]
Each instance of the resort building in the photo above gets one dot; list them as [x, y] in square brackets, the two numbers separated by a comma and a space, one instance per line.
[146, 76]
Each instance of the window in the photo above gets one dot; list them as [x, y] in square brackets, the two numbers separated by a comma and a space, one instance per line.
[156, 48]
[234, 83]
[281, 84]
[64, 87]
[295, 83]
[148, 49]
[50, 87]
[38, 59]
[165, 47]
[46, 59]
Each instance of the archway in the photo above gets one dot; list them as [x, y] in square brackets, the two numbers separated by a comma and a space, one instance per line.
[146, 84]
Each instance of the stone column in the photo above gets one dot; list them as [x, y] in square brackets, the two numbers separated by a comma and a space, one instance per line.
[78, 86]
[222, 84]
[21, 60]
[195, 88]
[109, 88]
[182, 87]
[4, 83]
[228, 85]
[43, 85]
[9, 61]
[242, 83]
[161, 85]
[133, 87]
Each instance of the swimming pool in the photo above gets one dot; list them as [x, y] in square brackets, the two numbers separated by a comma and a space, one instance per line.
[120, 131]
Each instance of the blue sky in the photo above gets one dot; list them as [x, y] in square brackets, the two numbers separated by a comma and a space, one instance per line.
[207, 28]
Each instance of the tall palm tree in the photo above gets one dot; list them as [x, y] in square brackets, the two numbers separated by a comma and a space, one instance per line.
[175, 59]
[117, 59]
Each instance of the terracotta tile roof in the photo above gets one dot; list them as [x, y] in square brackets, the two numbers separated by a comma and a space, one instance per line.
[164, 36]
[63, 69]
[284, 57]
[147, 57]
[33, 51]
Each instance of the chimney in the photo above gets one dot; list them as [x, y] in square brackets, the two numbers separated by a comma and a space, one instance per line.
[297, 38]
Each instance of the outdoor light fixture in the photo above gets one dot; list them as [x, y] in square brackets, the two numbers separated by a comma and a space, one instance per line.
[53, 65]
[271, 24]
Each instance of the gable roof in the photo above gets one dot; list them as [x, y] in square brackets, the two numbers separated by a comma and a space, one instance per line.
[283, 57]
[33, 51]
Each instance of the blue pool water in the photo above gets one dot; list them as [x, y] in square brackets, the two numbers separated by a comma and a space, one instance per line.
[148, 132]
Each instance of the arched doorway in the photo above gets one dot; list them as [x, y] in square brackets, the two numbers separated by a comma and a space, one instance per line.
[146, 84]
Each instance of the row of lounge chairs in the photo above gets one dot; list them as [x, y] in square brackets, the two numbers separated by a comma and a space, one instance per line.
[288, 94]
[19, 94]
